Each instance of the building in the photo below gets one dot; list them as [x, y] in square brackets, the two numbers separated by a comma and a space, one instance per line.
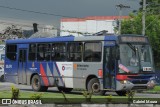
[89, 25]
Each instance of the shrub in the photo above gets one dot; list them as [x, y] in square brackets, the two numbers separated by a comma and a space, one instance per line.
[87, 95]
[130, 95]
[15, 92]
[109, 98]
[37, 96]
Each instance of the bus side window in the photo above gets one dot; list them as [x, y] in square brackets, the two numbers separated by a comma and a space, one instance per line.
[92, 52]
[32, 52]
[11, 52]
[75, 51]
[58, 52]
[43, 52]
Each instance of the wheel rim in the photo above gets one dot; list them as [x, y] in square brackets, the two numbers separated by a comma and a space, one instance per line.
[95, 87]
[35, 83]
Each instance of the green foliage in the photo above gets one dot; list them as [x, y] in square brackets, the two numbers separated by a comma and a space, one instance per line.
[87, 95]
[152, 26]
[15, 92]
[37, 96]
[65, 98]
[152, 6]
[109, 98]
[132, 25]
[130, 95]
[156, 88]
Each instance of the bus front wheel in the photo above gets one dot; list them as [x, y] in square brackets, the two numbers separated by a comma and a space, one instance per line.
[36, 84]
[2, 78]
[94, 87]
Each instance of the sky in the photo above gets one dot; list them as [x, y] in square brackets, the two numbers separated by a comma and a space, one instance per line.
[72, 8]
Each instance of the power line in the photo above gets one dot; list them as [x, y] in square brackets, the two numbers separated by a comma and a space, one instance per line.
[37, 12]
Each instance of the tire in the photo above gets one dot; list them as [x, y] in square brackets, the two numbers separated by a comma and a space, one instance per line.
[36, 84]
[2, 78]
[67, 90]
[94, 86]
[121, 93]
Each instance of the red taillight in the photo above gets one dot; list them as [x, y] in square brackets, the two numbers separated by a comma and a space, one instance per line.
[100, 73]
[121, 77]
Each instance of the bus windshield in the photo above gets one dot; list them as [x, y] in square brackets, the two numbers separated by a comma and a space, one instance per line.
[135, 58]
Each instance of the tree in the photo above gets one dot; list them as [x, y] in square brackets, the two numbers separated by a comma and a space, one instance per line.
[152, 6]
[134, 26]
[12, 31]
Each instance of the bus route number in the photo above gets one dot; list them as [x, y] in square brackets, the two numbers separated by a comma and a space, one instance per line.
[8, 66]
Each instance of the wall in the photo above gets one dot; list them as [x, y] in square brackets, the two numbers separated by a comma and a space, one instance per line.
[91, 24]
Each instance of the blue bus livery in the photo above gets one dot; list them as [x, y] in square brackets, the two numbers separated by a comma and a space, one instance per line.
[94, 63]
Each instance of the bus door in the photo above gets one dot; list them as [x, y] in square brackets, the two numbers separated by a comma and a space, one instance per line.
[22, 56]
[109, 64]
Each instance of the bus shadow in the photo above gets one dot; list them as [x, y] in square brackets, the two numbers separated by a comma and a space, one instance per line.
[72, 92]
[54, 91]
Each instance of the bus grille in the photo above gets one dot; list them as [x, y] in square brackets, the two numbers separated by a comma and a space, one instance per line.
[140, 82]
[139, 77]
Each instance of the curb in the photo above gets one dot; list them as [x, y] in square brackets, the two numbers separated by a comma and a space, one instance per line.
[149, 92]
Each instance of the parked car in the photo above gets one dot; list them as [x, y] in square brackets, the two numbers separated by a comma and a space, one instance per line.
[2, 52]
[2, 47]
[1, 74]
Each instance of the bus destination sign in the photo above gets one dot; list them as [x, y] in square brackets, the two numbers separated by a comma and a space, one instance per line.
[133, 39]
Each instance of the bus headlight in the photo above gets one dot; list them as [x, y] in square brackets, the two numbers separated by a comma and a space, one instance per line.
[123, 81]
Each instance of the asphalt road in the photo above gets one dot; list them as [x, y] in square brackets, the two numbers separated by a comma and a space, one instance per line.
[7, 86]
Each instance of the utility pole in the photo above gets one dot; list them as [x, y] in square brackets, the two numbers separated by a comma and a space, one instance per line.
[120, 6]
[143, 18]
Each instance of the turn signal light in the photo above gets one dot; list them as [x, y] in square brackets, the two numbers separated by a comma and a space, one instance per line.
[100, 73]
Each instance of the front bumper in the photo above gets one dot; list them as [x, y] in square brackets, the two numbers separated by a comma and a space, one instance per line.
[127, 85]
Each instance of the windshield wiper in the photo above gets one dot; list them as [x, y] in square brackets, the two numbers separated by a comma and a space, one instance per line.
[135, 51]
[132, 47]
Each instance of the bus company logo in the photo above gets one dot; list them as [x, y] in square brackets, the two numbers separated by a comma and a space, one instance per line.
[63, 68]
[82, 66]
[75, 66]
[9, 66]
[6, 101]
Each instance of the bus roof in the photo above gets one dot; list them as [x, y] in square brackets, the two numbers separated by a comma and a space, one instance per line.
[63, 39]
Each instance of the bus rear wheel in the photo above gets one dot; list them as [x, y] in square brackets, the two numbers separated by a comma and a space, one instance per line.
[36, 84]
[121, 93]
[94, 87]
[67, 90]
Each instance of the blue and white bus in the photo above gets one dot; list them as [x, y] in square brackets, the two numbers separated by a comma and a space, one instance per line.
[94, 63]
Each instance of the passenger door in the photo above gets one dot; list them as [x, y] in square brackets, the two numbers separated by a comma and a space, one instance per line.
[109, 67]
[22, 78]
